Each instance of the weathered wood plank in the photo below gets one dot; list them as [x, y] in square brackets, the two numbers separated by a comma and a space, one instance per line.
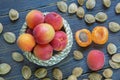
[69, 63]
[23, 5]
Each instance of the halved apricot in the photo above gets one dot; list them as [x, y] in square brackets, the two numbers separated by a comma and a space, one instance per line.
[100, 35]
[83, 37]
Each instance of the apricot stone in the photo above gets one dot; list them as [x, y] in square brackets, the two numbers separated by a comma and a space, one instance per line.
[60, 41]
[95, 60]
[43, 52]
[34, 18]
[55, 20]
[26, 42]
[43, 33]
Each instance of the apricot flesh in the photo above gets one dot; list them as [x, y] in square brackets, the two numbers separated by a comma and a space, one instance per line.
[95, 60]
[26, 42]
[55, 20]
[83, 37]
[100, 35]
[43, 33]
[43, 52]
[33, 18]
[60, 40]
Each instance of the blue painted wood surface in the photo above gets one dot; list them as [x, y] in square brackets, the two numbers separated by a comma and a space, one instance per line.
[24, 6]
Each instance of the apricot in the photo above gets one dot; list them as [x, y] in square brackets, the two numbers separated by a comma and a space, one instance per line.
[33, 18]
[100, 35]
[43, 52]
[55, 20]
[30, 31]
[83, 37]
[43, 33]
[60, 41]
[26, 42]
[95, 60]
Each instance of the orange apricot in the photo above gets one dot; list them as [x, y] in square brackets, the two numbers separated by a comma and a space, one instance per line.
[83, 37]
[100, 35]
[33, 18]
[26, 42]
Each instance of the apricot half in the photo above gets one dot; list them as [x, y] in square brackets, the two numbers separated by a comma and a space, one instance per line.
[100, 35]
[83, 37]
[95, 60]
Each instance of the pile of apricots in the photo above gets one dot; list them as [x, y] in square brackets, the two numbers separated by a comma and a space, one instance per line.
[43, 34]
[99, 36]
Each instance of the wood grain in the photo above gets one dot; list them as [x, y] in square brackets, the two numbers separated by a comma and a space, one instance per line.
[24, 6]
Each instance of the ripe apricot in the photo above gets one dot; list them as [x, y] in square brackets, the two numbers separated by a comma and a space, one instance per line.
[59, 41]
[100, 35]
[33, 18]
[83, 37]
[26, 42]
[95, 60]
[43, 52]
[43, 33]
[55, 20]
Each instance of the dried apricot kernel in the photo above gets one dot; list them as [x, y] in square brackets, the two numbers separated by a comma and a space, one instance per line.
[1, 28]
[72, 8]
[72, 77]
[114, 27]
[9, 37]
[17, 56]
[107, 73]
[111, 48]
[13, 14]
[89, 18]
[90, 4]
[117, 8]
[116, 58]
[4, 68]
[62, 6]
[77, 71]
[95, 76]
[81, 2]
[107, 3]
[57, 74]
[101, 17]
[80, 12]
[77, 55]
[114, 65]
[41, 73]
[26, 72]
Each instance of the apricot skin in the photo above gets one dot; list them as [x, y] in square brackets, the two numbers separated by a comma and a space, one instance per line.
[26, 42]
[43, 52]
[95, 60]
[43, 33]
[60, 41]
[34, 18]
[55, 20]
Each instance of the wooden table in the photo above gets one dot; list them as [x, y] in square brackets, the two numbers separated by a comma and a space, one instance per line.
[24, 6]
